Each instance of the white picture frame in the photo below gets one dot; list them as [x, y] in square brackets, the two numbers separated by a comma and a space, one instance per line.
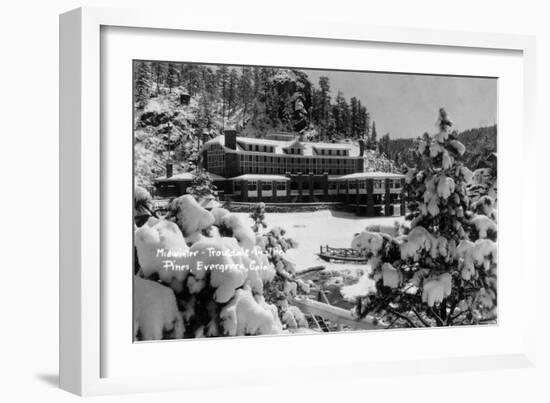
[83, 306]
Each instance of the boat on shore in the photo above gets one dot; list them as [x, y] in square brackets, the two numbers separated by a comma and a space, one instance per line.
[329, 253]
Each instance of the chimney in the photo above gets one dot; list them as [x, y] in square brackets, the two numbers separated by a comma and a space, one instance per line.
[231, 138]
[361, 147]
[169, 170]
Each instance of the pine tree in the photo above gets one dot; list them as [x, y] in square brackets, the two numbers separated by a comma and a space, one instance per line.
[361, 120]
[256, 88]
[373, 139]
[443, 272]
[365, 122]
[232, 90]
[384, 145]
[324, 105]
[246, 90]
[258, 217]
[143, 83]
[204, 116]
[201, 185]
[354, 121]
[192, 78]
[159, 73]
[172, 78]
[208, 83]
[222, 78]
[341, 114]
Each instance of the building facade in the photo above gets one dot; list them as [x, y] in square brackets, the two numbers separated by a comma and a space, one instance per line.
[283, 169]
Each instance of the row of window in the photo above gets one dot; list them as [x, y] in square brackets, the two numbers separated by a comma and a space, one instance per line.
[266, 186]
[258, 148]
[324, 151]
[293, 150]
[296, 161]
[335, 186]
[246, 168]
[216, 159]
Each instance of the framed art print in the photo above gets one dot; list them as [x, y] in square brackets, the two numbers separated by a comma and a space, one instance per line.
[238, 193]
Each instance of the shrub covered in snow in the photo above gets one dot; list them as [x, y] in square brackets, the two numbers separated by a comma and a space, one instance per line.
[156, 314]
[207, 272]
[445, 270]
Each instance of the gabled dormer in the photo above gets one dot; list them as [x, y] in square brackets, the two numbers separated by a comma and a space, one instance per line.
[256, 147]
[332, 151]
[294, 148]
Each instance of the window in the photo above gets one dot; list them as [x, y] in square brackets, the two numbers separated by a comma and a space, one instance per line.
[252, 186]
[281, 185]
[236, 186]
[362, 184]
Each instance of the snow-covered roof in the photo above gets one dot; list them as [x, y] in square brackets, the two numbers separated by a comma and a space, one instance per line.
[332, 146]
[185, 176]
[279, 145]
[267, 142]
[257, 177]
[369, 175]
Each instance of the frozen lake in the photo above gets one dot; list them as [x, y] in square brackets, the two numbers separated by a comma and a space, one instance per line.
[312, 229]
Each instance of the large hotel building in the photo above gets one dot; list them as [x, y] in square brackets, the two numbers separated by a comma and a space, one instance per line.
[283, 169]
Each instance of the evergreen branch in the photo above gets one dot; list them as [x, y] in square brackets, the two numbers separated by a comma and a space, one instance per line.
[420, 318]
[394, 312]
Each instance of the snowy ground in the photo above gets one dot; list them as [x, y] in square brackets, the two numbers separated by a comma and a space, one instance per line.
[333, 228]
[312, 229]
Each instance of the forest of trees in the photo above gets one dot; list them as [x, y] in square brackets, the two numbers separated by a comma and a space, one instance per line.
[479, 143]
[259, 99]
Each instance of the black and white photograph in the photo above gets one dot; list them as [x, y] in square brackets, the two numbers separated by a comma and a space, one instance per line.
[258, 202]
[280, 200]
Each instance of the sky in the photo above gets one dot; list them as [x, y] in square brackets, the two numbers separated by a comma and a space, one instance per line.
[407, 105]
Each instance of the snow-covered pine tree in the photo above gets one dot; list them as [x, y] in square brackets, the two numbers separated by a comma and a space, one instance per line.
[213, 278]
[443, 272]
[258, 217]
[201, 185]
[143, 83]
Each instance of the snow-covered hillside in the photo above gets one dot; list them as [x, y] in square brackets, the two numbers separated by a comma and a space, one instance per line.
[255, 101]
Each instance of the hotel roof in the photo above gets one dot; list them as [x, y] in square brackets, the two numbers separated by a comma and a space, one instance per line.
[257, 177]
[279, 145]
[369, 175]
[186, 176]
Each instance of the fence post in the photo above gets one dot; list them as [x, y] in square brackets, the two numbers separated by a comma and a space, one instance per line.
[259, 190]
[387, 199]
[370, 197]
[357, 196]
